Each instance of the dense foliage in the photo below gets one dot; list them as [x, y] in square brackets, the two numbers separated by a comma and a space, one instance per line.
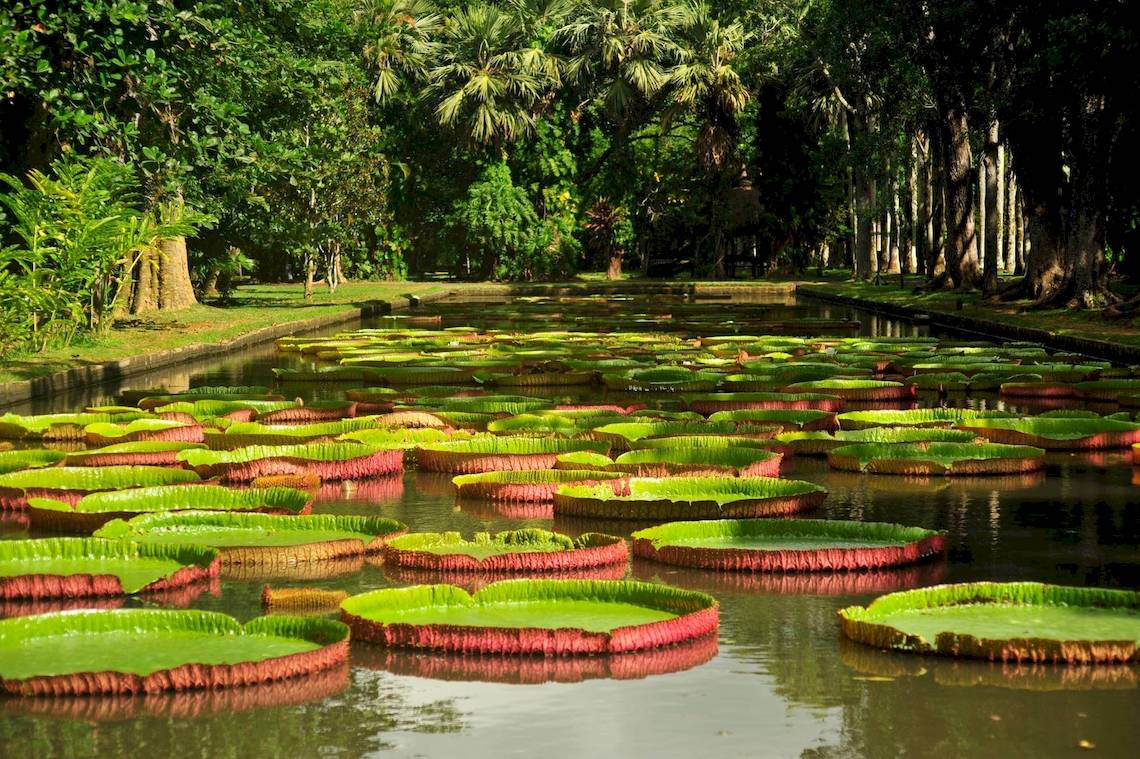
[524, 139]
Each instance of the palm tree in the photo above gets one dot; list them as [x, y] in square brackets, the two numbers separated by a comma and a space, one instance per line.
[488, 77]
[402, 43]
[704, 80]
[619, 50]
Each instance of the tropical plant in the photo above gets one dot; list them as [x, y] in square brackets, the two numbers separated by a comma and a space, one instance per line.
[401, 42]
[487, 78]
[82, 236]
[705, 80]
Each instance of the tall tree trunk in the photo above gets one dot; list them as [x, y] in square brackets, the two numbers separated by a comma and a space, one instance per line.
[991, 216]
[1044, 266]
[886, 232]
[1023, 244]
[912, 195]
[980, 212]
[936, 232]
[1011, 233]
[865, 253]
[894, 265]
[849, 239]
[310, 271]
[876, 245]
[999, 237]
[961, 237]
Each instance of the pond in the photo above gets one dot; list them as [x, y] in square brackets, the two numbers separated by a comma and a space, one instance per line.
[779, 681]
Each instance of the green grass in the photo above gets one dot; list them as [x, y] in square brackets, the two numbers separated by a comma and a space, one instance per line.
[252, 307]
[1086, 324]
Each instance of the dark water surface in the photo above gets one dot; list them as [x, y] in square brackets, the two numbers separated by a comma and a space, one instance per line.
[779, 682]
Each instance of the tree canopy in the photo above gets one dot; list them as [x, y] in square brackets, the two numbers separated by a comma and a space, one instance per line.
[954, 141]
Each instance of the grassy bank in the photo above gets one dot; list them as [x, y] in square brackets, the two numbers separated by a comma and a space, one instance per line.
[252, 307]
[1063, 322]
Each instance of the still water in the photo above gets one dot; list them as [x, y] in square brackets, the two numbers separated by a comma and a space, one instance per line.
[779, 682]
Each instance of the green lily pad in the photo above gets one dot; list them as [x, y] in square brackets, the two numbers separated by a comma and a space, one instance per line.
[563, 605]
[484, 544]
[96, 478]
[240, 530]
[147, 641]
[136, 566]
[15, 426]
[780, 534]
[182, 498]
[921, 417]
[675, 498]
[937, 458]
[16, 461]
[786, 545]
[1006, 621]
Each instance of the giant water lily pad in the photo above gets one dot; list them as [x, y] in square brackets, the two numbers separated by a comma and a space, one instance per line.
[786, 545]
[1057, 433]
[565, 423]
[662, 379]
[920, 417]
[107, 433]
[625, 434]
[490, 454]
[72, 483]
[677, 498]
[526, 550]
[329, 461]
[918, 459]
[140, 453]
[819, 443]
[1109, 389]
[549, 617]
[245, 434]
[711, 403]
[731, 461]
[82, 567]
[92, 511]
[57, 426]
[533, 486]
[241, 410]
[255, 538]
[856, 389]
[404, 438]
[788, 419]
[1017, 621]
[15, 461]
[151, 650]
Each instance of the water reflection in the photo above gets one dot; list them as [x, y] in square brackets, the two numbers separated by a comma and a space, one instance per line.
[874, 662]
[794, 583]
[780, 681]
[185, 704]
[472, 581]
[530, 670]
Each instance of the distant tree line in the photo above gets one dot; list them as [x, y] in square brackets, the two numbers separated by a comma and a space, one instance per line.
[156, 150]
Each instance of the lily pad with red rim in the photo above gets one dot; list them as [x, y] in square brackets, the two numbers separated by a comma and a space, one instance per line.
[786, 545]
[1015, 621]
[152, 650]
[547, 617]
